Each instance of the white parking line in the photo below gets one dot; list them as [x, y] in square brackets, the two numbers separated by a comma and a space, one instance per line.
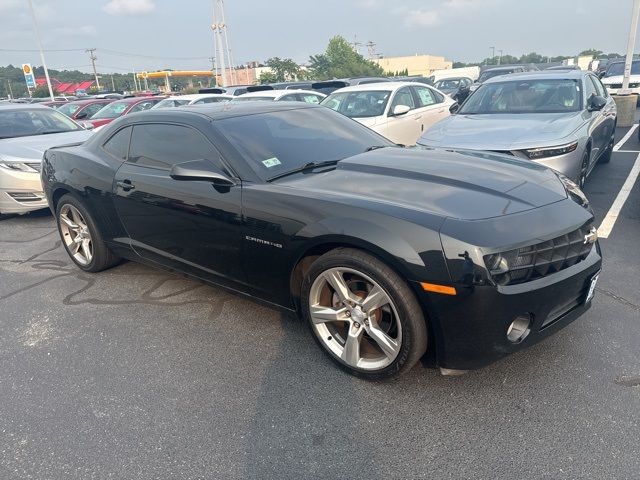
[625, 138]
[612, 215]
[628, 151]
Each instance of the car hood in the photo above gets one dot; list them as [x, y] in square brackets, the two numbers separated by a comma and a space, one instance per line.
[32, 148]
[463, 185]
[502, 131]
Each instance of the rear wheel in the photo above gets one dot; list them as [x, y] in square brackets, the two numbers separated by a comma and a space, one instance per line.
[606, 156]
[80, 236]
[584, 168]
[363, 314]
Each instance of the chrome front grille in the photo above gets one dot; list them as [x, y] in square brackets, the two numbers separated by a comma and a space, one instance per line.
[539, 260]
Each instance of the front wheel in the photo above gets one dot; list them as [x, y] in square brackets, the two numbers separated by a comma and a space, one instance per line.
[81, 237]
[606, 156]
[363, 314]
[584, 168]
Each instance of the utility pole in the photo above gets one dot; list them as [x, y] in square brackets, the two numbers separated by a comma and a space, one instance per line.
[500, 57]
[371, 49]
[10, 90]
[630, 45]
[221, 42]
[93, 62]
[135, 80]
[493, 53]
[113, 85]
[44, 64]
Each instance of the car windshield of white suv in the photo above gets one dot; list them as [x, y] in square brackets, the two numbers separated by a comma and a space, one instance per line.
[24, 122]
[618, 69]
[360, 104]
[520, 96]
[113, 110]
[171, 102]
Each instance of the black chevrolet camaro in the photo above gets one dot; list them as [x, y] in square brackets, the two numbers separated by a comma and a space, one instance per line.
[386, 252]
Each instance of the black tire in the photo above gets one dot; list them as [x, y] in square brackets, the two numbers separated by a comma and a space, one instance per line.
[102, 257]
[606, 155]
[584, 168]
[410, 316]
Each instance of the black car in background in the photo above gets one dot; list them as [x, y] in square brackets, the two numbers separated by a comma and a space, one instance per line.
[457, 88]
[386, 252]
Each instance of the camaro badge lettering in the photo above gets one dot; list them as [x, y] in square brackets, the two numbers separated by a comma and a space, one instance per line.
[264, 242]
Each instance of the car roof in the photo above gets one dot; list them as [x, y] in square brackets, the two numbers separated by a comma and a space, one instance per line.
[221, 110]
[89, 100]
[197, 96]
[278, 93]
[22, 106]
[541, 75]
[388, 86]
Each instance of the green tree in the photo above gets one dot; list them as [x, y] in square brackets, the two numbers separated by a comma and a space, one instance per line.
[532, 57]
[42, 91]
[591, 51]
[284, 69]
[267, 77]
[341, 60]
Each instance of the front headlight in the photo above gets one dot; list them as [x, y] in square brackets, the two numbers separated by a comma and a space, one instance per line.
[537, 153]
[574, 192]
[17, 166]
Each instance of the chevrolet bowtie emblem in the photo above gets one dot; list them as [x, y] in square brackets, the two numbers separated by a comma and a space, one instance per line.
[592, 236]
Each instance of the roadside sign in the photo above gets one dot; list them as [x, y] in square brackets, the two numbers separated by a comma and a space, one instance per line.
[28, 75]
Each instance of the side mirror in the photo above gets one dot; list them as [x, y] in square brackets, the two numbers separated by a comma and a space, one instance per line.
[202, 170]
[596, 102]
[81, 115]
[453, 109]
[400, 110]
[601, 73]
[87, 126]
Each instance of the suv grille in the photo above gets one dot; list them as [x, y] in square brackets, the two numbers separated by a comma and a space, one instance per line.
[539, 260]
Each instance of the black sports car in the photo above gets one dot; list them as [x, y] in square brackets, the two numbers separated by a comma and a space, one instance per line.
[387, 252]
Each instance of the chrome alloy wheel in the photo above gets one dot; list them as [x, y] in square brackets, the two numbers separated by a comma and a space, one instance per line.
[355, 318]
[75, 234]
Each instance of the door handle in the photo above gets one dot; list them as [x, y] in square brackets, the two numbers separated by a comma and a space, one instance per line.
[126, 185]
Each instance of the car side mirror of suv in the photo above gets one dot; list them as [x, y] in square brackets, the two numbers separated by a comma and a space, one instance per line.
[400, 110]
[81, 115]
[200, 170]
[596, 102]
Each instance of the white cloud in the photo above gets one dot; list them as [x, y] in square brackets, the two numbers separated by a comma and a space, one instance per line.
[129, 7]
[422, 18]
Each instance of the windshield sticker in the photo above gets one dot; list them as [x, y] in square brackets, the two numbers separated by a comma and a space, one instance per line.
[271, 162]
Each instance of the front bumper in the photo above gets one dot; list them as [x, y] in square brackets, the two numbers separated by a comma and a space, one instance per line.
[21, 192]
[615, 90]
[471, 327]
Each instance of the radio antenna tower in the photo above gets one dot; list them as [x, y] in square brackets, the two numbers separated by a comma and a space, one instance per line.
[371, 49]
[221, 44]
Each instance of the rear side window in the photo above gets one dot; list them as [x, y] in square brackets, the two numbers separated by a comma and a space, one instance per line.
[425, 96]
[310, 98]
[162, 146]
[143, 106]
[118, 144]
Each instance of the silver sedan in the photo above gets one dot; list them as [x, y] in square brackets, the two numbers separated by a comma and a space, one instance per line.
[26, 131]
[563, 120]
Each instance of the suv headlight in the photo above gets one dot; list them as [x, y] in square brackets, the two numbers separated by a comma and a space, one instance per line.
[17, 166]
[574, 192]
[536, 153]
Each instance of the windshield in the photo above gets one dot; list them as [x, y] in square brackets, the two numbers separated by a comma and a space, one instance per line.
[447, 84]
[484, 76]
[24, 122]
[277, 142]
[249, 99]
[68, 109]
[618, 69]
[171, 102]
[113, 110]
[358, 104]
[520, 96]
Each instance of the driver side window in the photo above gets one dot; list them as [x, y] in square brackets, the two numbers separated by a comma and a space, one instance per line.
[403, 97]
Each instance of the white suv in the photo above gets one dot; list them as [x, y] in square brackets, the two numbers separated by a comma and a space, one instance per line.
[400, 111]
[613, 78]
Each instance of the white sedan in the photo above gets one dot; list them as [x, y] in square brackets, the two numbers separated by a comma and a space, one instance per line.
[400, 111]
[195, 99]
[308, 96]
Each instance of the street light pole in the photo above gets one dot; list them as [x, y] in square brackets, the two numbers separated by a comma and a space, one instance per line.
[493, 54]
[39, 40]
[632, 41]
[500, 57]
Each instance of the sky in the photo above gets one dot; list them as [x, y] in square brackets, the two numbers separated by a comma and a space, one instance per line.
[158, 34]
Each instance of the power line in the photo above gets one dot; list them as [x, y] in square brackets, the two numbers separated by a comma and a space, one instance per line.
[32, 51]
[153, 57]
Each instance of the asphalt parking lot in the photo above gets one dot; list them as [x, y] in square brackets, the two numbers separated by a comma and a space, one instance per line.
[139, 373]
